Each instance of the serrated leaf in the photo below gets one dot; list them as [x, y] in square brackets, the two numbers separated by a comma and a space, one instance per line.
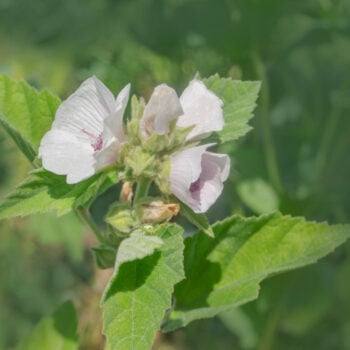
[198, 220]
[58, 332]
[226, 271]
[44, 192]
[137, 246]
[139, 294]
[25, 113]
[239, 99]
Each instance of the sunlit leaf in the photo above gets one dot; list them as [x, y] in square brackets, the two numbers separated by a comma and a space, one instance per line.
[226, 271]
[140, 292]
[44, 192]
[239, 99]
[25, 113]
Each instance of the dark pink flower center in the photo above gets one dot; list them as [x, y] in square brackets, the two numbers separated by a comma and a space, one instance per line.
[196, 186]
[96, 142]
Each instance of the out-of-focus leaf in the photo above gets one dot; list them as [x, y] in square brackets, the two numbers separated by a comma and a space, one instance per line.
[44, 192]
[58, 332]
[68, 231]
[226, 271]
[140, 292]
[25, 113]
[239, 99]
[258, 195]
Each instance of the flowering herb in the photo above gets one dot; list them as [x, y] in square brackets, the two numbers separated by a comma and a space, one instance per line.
[159, 279]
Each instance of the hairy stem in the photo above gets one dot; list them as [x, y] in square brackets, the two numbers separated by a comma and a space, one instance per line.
[142, 189]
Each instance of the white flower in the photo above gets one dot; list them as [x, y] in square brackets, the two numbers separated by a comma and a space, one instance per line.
[162, 107]
[86, 133]
[197, 176]
[197, 106]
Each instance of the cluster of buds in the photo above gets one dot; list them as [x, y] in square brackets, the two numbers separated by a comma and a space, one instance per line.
[160, 143]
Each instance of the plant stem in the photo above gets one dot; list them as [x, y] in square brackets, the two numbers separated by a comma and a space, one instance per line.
[86, 217]
[270, 152]
[142, 189]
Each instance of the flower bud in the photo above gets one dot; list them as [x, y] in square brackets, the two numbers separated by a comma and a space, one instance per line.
[158, 211]
[127, 192]
[121, 218]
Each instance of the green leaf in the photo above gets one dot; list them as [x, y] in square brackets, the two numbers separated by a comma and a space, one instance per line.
[239, 99]
[226, 271]
[58, 332]
[137, 246]
[258, 195]
[25, 113]
[140, 292]
[198, 220]
[44, 192]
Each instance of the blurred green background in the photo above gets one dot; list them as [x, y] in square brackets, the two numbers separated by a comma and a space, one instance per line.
[296, 159]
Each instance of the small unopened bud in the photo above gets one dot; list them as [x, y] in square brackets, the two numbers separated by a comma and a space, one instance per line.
[121, 219]
[126, 193]
[159, 211]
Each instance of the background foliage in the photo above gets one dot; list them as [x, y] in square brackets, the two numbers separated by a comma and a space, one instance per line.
[296, 159]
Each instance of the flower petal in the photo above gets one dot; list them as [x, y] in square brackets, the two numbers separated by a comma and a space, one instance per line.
[222, 161]
[163, 106]
[196, 177]
[83, 112]
[202, 108]
[209, 186]
[115, 120]
[64, 154]
[108, 155]
[185, 169]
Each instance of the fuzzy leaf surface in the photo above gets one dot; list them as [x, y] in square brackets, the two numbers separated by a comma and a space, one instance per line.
[137, 246]
[140, 293]
[44, 192]
[239, 99]
[25, 113]
[226, 271]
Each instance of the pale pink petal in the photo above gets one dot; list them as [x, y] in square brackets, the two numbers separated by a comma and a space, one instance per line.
[202, 108]
[64, 154]
[163, 106]
[115, 120]
[209, 186]
[196, 177]
[222, 160]
[82, 114]
[185, 169]
[108, 155]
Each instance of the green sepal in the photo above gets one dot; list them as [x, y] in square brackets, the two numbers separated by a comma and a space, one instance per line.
[120, 216]
[137, 107]
[105, 256]
[140, 162]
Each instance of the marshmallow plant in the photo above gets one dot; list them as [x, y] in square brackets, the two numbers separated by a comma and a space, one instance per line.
[91, 141]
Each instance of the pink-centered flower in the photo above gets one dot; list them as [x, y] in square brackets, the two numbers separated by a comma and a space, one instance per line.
[196, 176]
[87, 132]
